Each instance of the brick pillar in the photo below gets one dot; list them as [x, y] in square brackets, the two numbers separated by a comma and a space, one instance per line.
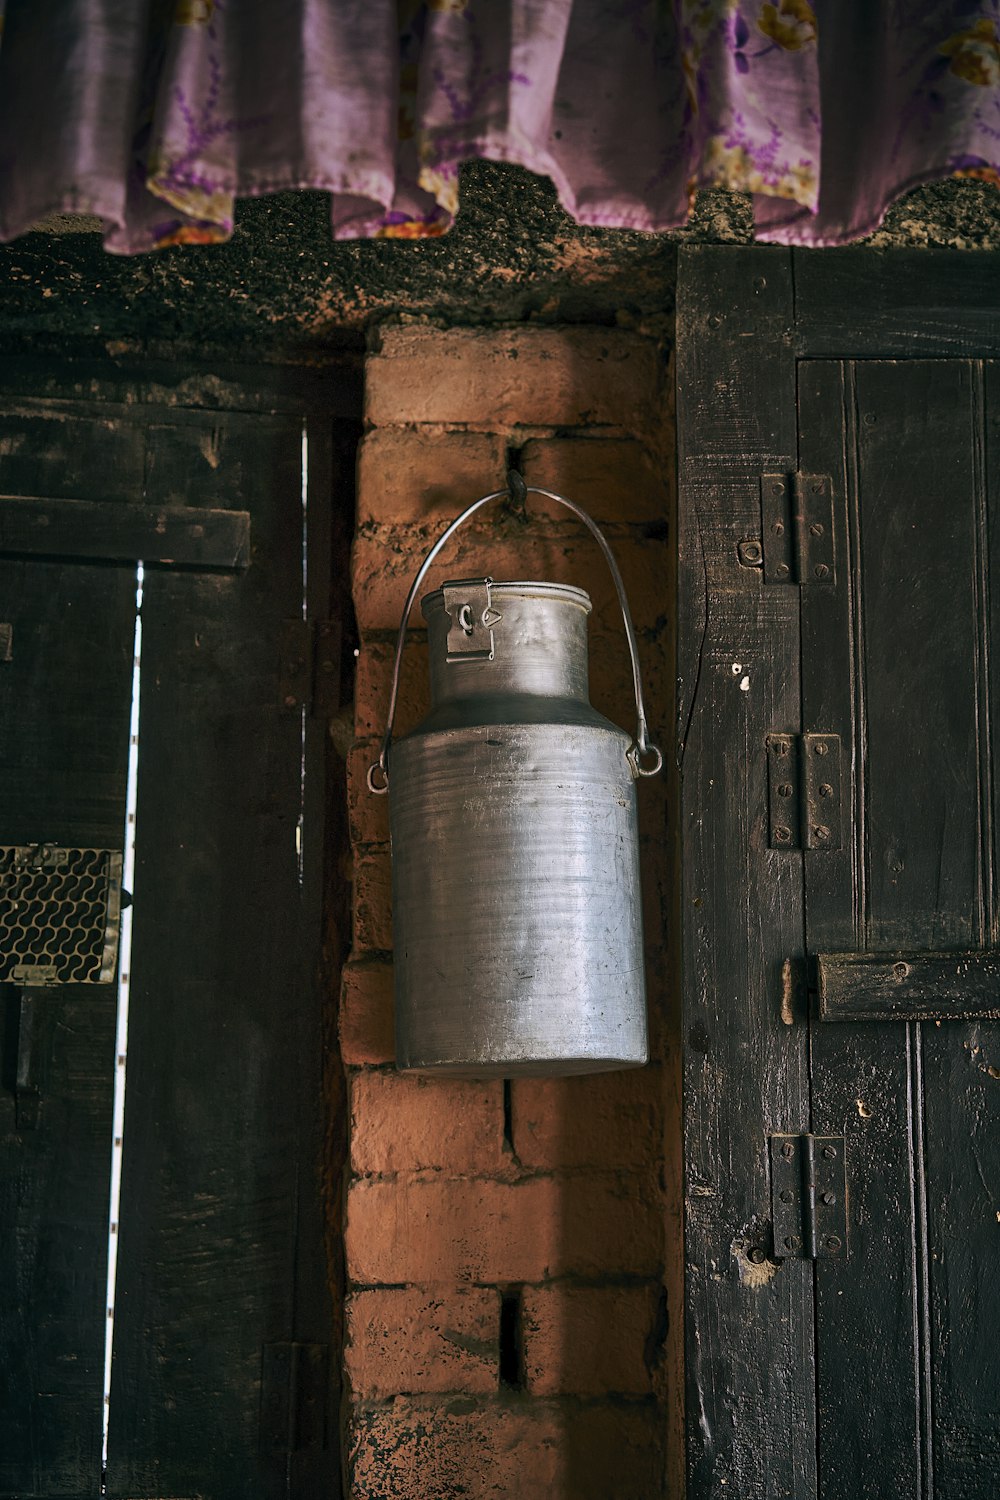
[513, 1266]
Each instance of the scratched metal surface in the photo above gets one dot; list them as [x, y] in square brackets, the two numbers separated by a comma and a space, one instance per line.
[516, 903]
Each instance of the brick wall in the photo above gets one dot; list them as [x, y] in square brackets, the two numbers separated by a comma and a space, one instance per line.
[513, 1258]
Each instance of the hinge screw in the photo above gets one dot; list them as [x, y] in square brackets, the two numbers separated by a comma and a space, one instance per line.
[788, 1150]
[821, 570]
[821, 832]
[900, 970]
[815, 529]
[782, 835]
[784, 790]
[826, 790]
[820, 747]
[782, 570]
[828, 1198]
[833, 1242]
[779, 526]
[787, 1196]
[757, 1256]
[780, 747]
[830, 1152]
[750, 554]
[817, 488]
[778, 488]
[792, 1242]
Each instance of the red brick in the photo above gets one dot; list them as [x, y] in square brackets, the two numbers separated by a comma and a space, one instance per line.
[432, 1449]
[615, 479]
[611, 674]
[373, 902]
[368, 815]
[374, 680]
[406, 1123]
[475, 1230]
[386, 560]
[404, 1339]
[366, 1013]
[612, 1120]
[590, 1341]
[499, 379]
[426, 477]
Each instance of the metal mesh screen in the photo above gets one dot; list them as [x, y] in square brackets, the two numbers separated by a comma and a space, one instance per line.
[59, 911]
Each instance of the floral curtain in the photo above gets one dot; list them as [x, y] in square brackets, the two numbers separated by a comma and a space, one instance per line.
[155, 115]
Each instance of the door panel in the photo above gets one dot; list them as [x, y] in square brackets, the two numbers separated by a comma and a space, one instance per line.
[65, 695]
[211, 1174]
[897, 400]
[921, 1200]
[223, 1275]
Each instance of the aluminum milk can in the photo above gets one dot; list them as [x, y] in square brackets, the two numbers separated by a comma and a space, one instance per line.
[517, 922]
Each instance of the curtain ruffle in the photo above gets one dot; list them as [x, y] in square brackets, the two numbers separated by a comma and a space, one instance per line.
[157, 115]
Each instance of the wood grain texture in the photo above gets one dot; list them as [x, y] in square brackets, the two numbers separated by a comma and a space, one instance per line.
[908, 986]
[898, 658]
[176, 535]
[64, 715]
[750, 1356]
[221, 1246]
[909, 644]
[961, 1062]
[901, 305]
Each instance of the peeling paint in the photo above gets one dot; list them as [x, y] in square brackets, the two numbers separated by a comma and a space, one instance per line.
[753, 1273]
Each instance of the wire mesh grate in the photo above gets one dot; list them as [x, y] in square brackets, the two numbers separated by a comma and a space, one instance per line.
[59, 914]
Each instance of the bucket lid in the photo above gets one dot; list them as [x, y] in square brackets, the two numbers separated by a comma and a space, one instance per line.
[530, 589]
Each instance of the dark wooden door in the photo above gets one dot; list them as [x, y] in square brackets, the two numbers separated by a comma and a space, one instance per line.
[224, 1369]
[840, 534]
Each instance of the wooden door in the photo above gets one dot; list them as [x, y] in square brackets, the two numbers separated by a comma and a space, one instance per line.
[840, 527]
[224, 1370]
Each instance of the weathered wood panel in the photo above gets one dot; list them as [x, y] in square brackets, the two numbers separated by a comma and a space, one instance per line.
[750, 1352]
[867, 1446]
[64, 715]
[908, 986]
[175, 535]
[904, 305]
[221, 1243]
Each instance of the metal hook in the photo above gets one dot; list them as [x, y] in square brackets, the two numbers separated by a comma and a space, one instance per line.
[517, 493]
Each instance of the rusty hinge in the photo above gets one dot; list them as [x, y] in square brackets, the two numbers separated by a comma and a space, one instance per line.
[294, 1397]
[797, 544]
[804, 791]
[309, 666]
[808, 1196]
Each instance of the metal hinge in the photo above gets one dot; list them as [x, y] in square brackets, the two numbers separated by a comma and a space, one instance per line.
[309, 667]
[808, 1196]
[797, 529]
[294, 1397]
[804, 791]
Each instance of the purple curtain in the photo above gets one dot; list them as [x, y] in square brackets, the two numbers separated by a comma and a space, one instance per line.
[156, 115]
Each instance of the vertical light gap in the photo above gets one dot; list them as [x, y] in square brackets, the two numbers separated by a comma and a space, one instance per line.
[121, 1023]
[304, 500]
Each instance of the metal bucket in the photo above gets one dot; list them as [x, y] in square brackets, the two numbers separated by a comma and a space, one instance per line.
[515, 860]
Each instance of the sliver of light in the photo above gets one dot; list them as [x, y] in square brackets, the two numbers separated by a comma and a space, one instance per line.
[121, 1025]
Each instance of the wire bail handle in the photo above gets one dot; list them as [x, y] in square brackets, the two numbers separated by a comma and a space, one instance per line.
[517, 491]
